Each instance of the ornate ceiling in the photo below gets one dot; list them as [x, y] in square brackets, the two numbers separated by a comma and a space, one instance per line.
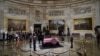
[45, 1]
[48, 2]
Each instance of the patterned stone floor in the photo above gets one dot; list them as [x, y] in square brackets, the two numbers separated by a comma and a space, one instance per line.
[9, 49]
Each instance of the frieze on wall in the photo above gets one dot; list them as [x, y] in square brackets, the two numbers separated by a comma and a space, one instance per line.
[82, 10]
[56, 13]
[37, 15]
[17, 11]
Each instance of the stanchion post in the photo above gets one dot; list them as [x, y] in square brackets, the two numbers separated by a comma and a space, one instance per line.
[49, 52]
[84, 49]
[69, 52]
[93, 43]
[30, 52]
[30, 49]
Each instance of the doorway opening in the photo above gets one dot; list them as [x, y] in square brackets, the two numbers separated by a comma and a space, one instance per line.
[37, 27]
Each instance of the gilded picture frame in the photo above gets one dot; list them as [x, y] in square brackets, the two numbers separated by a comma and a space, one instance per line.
[17, 24]
[54, 24]
[83, 23]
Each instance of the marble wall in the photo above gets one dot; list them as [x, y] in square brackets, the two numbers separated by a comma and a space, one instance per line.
[1, 17]
[73, 12]
[83, 11]
[41, 14]
[97, 12]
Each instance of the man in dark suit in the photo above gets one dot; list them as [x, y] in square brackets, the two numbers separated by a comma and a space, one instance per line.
[60, 30]
[7, 36]
[3, 36]
[97, 32]
[34, 41]
[30, 41]
[71, 40]
[68, 31]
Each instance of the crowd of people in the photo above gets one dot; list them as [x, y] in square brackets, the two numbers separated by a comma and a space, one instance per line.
[19, 36]
[32, 36]
[13, 35]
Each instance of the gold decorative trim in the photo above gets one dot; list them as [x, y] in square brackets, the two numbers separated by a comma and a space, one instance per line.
[17, 22]
[82, 28]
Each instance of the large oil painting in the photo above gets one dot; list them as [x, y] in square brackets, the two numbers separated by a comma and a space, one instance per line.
[83, 24]
[16, 25]
[54, 24]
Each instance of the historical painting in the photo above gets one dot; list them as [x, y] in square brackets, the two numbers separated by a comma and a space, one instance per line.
[54, 24]
[83, 24]
[16, 25]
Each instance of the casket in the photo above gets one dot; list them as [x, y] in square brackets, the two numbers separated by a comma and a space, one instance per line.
[51, 41]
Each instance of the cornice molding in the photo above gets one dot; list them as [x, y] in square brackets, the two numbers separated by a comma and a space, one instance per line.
[49, 4]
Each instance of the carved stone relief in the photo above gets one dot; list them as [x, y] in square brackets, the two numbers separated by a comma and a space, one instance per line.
[82, 10]
[56, 13]
[37, 15]
[17, 11]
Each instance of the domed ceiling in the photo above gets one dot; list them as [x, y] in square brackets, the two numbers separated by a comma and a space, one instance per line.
[45, 1]
[48, 2]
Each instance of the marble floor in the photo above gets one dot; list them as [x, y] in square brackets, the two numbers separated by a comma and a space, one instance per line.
[88, 47]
